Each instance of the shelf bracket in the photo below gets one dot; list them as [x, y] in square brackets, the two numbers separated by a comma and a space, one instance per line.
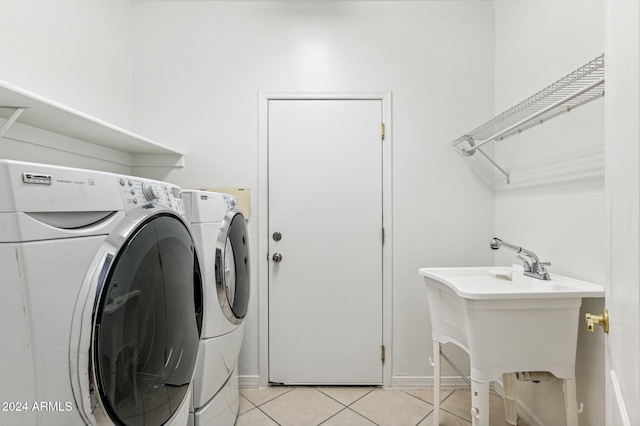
[18, 111]
[495, 165]
[577, 88]
[473, 148]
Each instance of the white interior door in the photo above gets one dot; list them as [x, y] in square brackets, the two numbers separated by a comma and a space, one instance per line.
[325, 201]
[623, 192]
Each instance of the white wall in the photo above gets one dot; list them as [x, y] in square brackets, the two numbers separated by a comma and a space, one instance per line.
[198, 68]
[74, 52]
[555, 204]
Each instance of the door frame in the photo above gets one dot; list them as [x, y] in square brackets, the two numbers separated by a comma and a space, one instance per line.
[263, 219]
[622, 297]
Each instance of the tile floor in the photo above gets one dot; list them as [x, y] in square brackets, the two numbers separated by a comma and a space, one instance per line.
[358, 406]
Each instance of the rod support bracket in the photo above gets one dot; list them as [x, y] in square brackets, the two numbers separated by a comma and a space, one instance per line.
[18, 111]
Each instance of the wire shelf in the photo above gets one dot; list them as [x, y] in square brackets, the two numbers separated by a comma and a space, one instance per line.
[575, 89]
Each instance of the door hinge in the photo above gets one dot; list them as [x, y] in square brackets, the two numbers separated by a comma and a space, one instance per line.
[382, 130]
[382, 353]
[383, 235]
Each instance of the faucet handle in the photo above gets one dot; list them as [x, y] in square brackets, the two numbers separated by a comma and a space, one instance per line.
[527, 263]
[541, 267]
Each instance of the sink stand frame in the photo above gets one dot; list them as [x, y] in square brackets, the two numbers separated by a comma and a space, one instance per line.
[504, 336]
[480, 394]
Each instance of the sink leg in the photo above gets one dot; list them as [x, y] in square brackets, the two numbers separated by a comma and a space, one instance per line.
[436, 383]
[509, 385]
[479, 403]
[570, 401]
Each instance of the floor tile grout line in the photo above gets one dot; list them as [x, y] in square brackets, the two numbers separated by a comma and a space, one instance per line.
[455, 415]
[449, 412]
[349, 405]
[447, 397]
[246, 399]
[332, 416]
[420, 399]
[353, 411]
[359, 413]
[352, 402]
[329, 396]
[272, 419]
[290, 388]
[424, 418]
[362, 415]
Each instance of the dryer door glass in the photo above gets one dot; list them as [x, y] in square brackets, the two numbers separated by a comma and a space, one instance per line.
[232, 267]
[148, 324]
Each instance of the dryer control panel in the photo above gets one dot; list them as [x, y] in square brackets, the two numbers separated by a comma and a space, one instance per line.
[137, 192]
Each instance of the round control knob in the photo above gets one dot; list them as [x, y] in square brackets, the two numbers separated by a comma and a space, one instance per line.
[151, 191]
[277, 257]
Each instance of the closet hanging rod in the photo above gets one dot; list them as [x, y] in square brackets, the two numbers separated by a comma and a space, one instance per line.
[531, 117]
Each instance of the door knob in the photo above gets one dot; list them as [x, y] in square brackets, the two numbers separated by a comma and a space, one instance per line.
[277, 257]
[602, 320]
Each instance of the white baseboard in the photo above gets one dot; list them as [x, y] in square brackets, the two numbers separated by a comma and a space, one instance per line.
[412, 382]
[249, 382]
[397, 382]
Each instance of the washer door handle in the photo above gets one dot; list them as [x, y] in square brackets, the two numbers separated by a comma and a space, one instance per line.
[277, 257]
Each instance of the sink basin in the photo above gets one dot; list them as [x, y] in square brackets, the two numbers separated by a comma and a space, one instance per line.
[479, 283]
[522, 324]
[507, 322]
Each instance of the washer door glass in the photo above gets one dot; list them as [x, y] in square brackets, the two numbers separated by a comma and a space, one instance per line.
[232, 267]
[148, 324]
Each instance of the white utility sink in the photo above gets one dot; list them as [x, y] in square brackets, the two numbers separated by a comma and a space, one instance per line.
[507, 322]
[490, 283]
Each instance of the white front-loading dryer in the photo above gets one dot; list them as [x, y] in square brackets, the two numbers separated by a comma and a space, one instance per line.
[220, 233]
[102, 298]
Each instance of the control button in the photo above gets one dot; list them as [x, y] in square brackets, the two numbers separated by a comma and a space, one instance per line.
[151, 191]
[121, 182]
[133, 191]
[135, 201]
[130, 183]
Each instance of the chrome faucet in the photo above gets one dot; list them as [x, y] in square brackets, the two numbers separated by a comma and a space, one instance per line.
[532, 265]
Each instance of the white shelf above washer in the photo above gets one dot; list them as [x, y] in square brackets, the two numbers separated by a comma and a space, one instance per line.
[575, 89]
[32, 110]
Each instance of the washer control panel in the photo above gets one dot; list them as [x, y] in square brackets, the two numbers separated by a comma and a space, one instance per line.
[137, 192]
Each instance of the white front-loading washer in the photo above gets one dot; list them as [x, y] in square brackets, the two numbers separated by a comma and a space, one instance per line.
[102, 298]
[220, 233]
